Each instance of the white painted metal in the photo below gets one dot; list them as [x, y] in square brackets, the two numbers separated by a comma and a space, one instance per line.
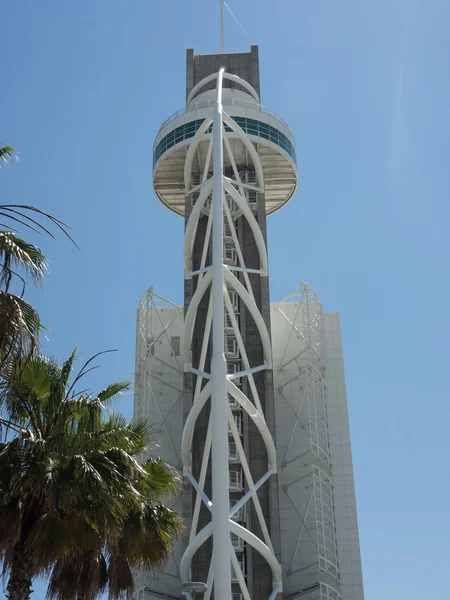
[219, 400]
[229, 201]
[249, 88]
[311, 557]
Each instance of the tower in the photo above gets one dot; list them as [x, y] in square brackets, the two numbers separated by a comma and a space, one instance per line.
[231, 380]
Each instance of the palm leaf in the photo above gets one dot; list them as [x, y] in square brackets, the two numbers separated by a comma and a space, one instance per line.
[7, 154]
[19, 328]
[83, 509]
[15, 252]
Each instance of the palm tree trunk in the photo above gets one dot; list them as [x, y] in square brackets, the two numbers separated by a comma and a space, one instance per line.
[19, 584]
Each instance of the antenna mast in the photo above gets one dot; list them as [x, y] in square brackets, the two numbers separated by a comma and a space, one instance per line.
[222, 28]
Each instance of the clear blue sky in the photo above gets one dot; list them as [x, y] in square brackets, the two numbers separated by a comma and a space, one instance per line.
[365, 88]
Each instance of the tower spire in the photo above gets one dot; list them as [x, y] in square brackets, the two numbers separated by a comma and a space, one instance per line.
[222, 27]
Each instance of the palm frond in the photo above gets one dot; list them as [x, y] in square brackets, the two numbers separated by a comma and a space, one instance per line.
[84, 370]
[120, 578]
[7, 154]
[15, 252]
[113, 391]
[160, 480]
[81, 575]
[8, 210]
[19, 328]
[83, 508]
[50, 537]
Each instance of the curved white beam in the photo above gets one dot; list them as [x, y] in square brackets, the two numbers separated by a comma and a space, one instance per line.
[259, 238]
[191, 313]
[253, 310]
[250, 147]
[257, 419]
[191, 227]
[191, 152]
[250, 409]
[192, 548]
[261, 547]
[243, 533]
[250, 89]
[188, 431]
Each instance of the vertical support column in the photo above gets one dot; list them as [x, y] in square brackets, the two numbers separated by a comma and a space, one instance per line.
[219, 403]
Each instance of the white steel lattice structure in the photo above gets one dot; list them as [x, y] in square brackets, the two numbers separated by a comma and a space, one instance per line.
[307, 487]
[226, 376]
[159, 391]
[159, 368]
[229, 201]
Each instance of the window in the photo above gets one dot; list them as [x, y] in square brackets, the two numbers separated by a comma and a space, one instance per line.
[175, 343]
[239, 515]
[238, 420]
[233, 403]
[230, 255]
[234, 301]
[227, 323]
[150, 346]
[235, 479]
[250, 126]
[233, 453]
[241, 564]
[237, 542]
[232, 369]
[231, 347]
[227, 230]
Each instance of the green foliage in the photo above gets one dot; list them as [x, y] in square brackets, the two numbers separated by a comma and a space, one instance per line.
[6, 154]
[76, 503]
[74, 498]
[19, 261]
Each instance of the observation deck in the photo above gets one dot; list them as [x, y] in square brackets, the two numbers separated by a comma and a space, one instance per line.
[271, 135]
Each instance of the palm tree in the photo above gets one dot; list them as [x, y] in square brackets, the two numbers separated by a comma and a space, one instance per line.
[76, 504]
[19, 261]
[19, 321]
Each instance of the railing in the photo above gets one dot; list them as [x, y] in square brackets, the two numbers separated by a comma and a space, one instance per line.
[239, 515]
[226, 102]
[235, 481]
[233, 453]
[237, 542]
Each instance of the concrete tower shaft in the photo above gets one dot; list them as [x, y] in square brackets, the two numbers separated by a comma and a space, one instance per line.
[246, 325]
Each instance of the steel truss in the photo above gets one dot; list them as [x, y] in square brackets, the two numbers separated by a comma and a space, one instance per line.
[159, 390]
[225, 199]
[306, 463]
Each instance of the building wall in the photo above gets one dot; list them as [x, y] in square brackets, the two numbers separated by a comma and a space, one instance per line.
[341, 457]
[319, 533]
[158, 398]
[245, 65]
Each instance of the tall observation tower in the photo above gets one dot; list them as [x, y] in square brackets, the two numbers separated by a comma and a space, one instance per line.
[248, 397]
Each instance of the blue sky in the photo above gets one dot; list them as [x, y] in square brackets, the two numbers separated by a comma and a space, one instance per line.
[365, 88]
